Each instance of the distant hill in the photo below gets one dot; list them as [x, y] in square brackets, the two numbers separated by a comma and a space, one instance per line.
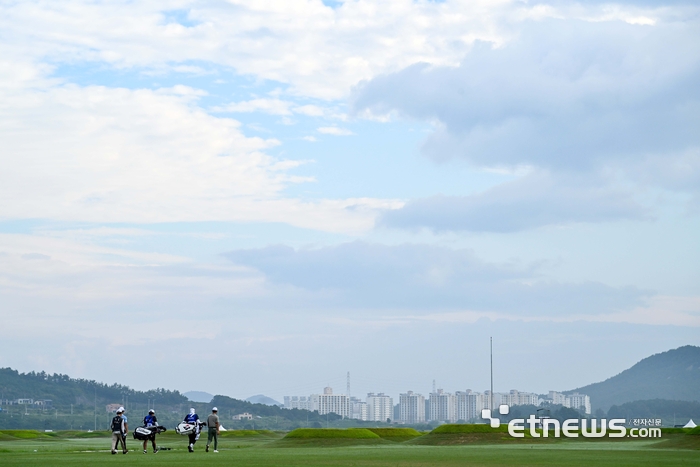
[671, 412]
[64, 391]
[262, 399]
[672, 375]
[59, 402]
[198, 396]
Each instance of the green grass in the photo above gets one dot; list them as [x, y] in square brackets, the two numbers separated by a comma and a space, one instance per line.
[77, 452]
[27, 434]
[396, 434]
[248, 433]
[329, 437]
[334, 433]
[467, 428]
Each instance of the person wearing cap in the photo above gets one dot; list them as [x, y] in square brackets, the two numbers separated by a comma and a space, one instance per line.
[213, 429]
[118, 428]
[126, 427]
[149, 421]
[193, 419]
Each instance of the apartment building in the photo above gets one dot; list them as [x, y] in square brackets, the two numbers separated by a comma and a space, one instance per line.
[411, 408]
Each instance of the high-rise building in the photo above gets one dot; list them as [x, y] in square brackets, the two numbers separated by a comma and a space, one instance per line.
[330, 403]
[380, 407]
[443, 407]
[515, 397]
[574, 401]
[297, 402]
[557, 398]
[358, 409]
[580, 402]
[469, 404]
[411, 408]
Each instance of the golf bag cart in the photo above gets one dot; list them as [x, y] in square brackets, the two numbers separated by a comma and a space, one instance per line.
[143, 433]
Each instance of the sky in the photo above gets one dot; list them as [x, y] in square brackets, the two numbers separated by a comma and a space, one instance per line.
[258, 197]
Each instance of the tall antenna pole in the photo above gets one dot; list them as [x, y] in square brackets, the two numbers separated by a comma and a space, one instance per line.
[491, 399]
[348, 388]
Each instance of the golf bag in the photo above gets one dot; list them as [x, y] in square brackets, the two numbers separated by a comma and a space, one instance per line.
[185, 428]
[143, 433]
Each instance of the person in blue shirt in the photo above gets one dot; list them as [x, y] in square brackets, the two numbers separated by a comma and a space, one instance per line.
[149, 421]
[193, 419]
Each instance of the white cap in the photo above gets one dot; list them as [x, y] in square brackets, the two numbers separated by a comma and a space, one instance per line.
[121, 409]
[214, 409]
[151, 411]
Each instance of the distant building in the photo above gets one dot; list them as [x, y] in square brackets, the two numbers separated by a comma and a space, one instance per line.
[411, 408]
[112, 408]
[580, 402]
[330, 403]
[297, 402]
[24, 401]
[323, 403]
[515, 397]
[243, 416]
[557, 398]
[380, 407]
[443, 407]
[469, 404]
[576, 401]
[358, 409]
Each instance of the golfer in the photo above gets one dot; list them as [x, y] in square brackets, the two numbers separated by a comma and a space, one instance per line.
[150, 420]
[193, 419]
[126, 427]
[118, 428]
[213, 429]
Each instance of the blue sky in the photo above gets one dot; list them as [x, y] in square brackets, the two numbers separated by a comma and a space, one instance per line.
[320, 187]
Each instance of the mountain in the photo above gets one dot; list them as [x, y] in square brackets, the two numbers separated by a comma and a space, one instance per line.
[198, 396]
[262, 399]
[672, 375]
[671, 412]
[64, 391]
[59, 402]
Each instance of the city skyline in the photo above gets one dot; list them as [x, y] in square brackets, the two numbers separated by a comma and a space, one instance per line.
[440, 405]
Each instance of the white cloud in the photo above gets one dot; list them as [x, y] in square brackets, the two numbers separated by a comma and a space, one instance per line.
[425, 279]
[564, 94]
[310, 110]
[318, 50]
[335, 131]
[269, 106]
[535, 200]
[116, 155]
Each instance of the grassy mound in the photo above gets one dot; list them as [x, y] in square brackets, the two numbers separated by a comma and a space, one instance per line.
[398, 435]
[248, 433]
[447, 435]
[9, 435]
[331, 433]
[328, 437]
[85, 434]
[465, 428]
[687, 440]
